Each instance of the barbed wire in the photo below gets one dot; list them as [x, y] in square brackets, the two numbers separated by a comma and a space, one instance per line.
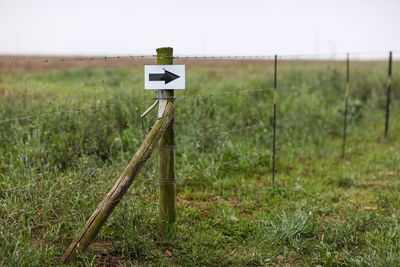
[211, 130]
[182, 179]
[89, 107]
[55, 59]
[55, 181]
[97, 106]
[225, 93]
[81, 109]
[62, 218]
[131, 194]
[25, 187]
[259, 124]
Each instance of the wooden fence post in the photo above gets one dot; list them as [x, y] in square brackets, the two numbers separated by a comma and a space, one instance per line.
[166, 154]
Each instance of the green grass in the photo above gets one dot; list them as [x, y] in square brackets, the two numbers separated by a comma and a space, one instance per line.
[323, 210]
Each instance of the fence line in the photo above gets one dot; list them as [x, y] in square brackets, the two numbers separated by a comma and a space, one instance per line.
[25, 187]
[21, 187]
[55, 59]
[82, 109]
[207, 135]
[257, 125]
[97, 106]
[143, 100]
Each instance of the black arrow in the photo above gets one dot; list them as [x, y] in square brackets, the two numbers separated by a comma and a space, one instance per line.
[166, 77]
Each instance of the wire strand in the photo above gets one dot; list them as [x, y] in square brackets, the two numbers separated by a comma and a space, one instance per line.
[97, 106]
[56, 59]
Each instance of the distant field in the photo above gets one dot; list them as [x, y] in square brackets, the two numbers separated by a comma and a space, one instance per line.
[67, 130]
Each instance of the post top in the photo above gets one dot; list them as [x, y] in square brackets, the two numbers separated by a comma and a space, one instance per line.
[165, 50]
[165, 55]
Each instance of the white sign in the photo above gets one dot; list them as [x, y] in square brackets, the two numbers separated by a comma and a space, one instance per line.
[161, 77]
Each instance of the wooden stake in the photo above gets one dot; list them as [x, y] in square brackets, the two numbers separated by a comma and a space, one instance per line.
[104, 209]
[166, 154]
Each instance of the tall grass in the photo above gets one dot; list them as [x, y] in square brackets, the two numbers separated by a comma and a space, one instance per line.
[82, 126]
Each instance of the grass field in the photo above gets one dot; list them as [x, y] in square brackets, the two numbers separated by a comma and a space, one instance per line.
[79, 126]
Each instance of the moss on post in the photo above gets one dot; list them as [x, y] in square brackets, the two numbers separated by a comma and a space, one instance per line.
[166, 157]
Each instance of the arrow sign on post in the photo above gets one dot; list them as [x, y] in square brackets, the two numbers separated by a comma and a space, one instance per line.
[164, 77]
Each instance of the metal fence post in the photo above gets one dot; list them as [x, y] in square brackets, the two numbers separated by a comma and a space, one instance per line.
[274, 124]
[346, 105]
[389, 88]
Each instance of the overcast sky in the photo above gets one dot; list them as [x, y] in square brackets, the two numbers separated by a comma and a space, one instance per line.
[206, 27]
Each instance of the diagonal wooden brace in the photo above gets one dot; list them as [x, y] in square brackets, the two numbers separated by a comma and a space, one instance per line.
[105, 208]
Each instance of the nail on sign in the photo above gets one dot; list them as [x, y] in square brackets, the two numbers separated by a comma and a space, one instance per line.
[161, 77]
